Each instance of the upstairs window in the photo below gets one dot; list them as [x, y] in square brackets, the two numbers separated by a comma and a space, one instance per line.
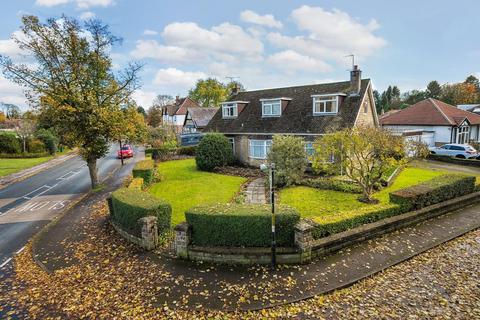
[271, 108]
[325, 105]
[229, 110]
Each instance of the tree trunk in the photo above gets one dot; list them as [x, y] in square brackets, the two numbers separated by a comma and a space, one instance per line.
[121, 153]
[92, 167]
[24, 145]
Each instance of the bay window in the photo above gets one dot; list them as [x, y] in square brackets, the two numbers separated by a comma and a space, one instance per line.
[259, 148]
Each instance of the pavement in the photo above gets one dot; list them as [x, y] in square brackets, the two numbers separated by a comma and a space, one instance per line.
[188, 285]
[28, 205]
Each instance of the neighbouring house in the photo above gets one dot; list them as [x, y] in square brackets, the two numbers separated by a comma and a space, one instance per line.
[175, 113]
[475, 108]
[434, 122]
[197, 119]
[251, 118]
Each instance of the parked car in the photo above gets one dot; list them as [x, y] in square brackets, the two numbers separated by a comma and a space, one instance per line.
[464, 151]
[125, 152]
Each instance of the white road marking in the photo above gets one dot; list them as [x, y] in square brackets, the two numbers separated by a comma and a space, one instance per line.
[5, 263]
[20, 250]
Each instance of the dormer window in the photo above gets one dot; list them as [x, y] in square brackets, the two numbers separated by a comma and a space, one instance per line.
[271, 108]
[229, 110]
[325, 104]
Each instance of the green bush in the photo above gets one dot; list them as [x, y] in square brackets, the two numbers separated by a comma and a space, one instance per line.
[9, 144]
[332, 184]
[356, 218]
[136, 183]
[35, 146]
[288, 154]
[24, 155]
[213, 151]
[49, 139]
[237, 225]
[144, 169]
[129, 205]
[187, 151]
[442, 188]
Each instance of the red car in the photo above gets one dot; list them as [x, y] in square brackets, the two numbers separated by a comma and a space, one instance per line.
[125, 152]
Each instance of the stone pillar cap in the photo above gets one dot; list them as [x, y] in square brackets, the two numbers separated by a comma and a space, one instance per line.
[182, 226]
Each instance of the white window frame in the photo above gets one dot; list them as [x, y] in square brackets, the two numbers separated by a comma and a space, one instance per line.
[264, 144]
[233, 106]
[463, 134]
[270, 105]
[323, 100]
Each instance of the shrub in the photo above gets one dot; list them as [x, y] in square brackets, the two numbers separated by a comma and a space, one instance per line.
[129, 205]
[36, 146]
[288, 154]
[352, 219]
[442, 188]
[331, 184]
[144, 169]
[49, 139]
[136, 183]
[187, 151]
[9, 144]
[24, 155]
[213, 151]
[240, 225]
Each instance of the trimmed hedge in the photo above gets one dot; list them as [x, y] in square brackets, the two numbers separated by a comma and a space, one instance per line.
[187, 151]
[144, 169]
[129, 205]
[9, 143]
[442, 188]
[24, 155]
[136, 183]
[240, 225]
[332, 184]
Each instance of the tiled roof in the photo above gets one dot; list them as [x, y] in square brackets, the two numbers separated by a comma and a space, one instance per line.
[297, 117]
[201, 116]
[431, 112]
[180, 106]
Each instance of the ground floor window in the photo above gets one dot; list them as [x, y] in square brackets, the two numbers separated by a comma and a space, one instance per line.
[232, 144]
[259, 148]
[463, 134]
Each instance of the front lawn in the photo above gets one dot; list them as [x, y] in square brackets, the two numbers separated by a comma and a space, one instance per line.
[183, 186]
[328, 205]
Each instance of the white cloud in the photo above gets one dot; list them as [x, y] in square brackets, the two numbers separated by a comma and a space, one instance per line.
[12, 93]
[144, 98]
[176, 77]
[149, 32]
[291, 61]
[154, 50]
[267, 20]
[87, 15]
[82, 4]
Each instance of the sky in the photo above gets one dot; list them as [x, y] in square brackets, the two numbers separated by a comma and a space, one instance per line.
[271, 43]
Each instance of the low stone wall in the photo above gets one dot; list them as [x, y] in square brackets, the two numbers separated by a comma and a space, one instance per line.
[306, 248]
[149, 239]
[463, 162]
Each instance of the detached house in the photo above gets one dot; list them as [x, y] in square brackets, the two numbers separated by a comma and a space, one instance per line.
[175, 114]
[435, 123]
[251, 118]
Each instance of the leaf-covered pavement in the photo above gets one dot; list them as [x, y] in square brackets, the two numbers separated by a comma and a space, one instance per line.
[111, 279]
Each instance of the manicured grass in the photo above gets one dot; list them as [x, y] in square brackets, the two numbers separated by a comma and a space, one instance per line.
[183, 186]
[325, 205]
[8, 166]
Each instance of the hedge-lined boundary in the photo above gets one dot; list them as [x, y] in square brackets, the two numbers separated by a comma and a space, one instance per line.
[240, 225]
[136, 183]
[144, 169]
[129, 205]
[24, 155]
[331, 184]
[442, 188]
[438, 189]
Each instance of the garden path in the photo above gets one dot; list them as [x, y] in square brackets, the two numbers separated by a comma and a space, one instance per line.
[256, 192]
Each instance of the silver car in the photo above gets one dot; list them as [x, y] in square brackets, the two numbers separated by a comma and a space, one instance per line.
[464, 151]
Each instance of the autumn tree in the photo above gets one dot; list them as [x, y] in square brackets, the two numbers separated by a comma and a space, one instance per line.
[209, 92]
[363, 154]
[162, 100]
[459, 93]
[154, 116]
[72, 82]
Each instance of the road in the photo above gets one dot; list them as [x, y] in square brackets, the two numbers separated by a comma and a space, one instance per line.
[28, 205]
